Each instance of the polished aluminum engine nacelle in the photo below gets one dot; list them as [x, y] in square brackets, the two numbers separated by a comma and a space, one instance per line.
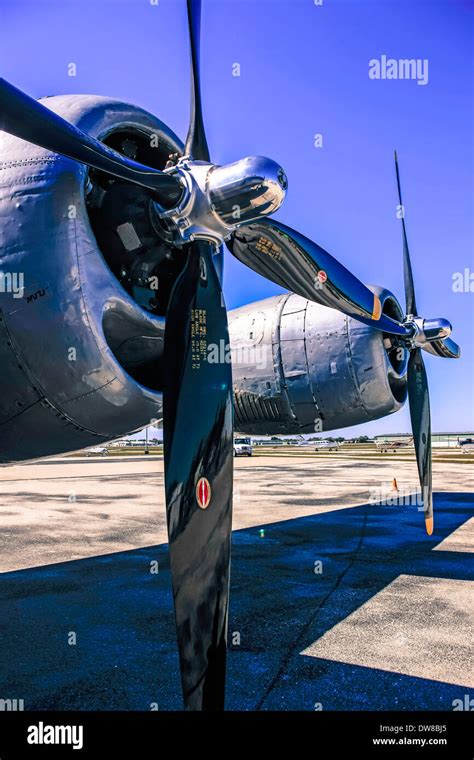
[299, 367]
[70, 341]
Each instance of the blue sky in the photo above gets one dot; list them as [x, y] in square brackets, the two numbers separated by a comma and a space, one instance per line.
[303, 70]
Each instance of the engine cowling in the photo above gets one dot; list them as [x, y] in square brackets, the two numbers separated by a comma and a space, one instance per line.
[300, 367]
[76, 346]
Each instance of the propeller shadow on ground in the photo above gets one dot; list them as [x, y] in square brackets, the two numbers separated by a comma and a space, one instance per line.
[98, 634]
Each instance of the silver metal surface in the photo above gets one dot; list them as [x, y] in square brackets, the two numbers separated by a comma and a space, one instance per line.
[429, 330]
[62, 386]
[217, 199]
[300, 367]
[446, 348]
[246, 190]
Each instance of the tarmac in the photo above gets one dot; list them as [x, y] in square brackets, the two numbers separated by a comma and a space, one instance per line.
[338, 601]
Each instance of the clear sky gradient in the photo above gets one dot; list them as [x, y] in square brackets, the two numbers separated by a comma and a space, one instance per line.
[303, 70]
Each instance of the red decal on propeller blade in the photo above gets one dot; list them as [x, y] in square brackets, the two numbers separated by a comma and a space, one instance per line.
[203, 493]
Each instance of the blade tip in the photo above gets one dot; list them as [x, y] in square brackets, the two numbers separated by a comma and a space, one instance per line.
[377, 308]
[429, 524]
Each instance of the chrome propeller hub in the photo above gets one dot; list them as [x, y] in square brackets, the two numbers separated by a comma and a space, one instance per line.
[216, 200]
[425, 331]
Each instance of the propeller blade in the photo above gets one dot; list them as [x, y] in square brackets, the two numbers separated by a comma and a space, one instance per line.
[24, 117]
[419, 402]
[196, 143]
[407, 270]
[291, 260]
[446, 348]
[198, 452]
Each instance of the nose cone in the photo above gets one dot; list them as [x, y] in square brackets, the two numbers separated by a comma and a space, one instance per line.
[436, 328]
[247, 190]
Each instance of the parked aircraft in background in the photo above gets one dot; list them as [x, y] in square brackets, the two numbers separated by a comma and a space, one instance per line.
[400, 443]
[326, 445]
[97, 451]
